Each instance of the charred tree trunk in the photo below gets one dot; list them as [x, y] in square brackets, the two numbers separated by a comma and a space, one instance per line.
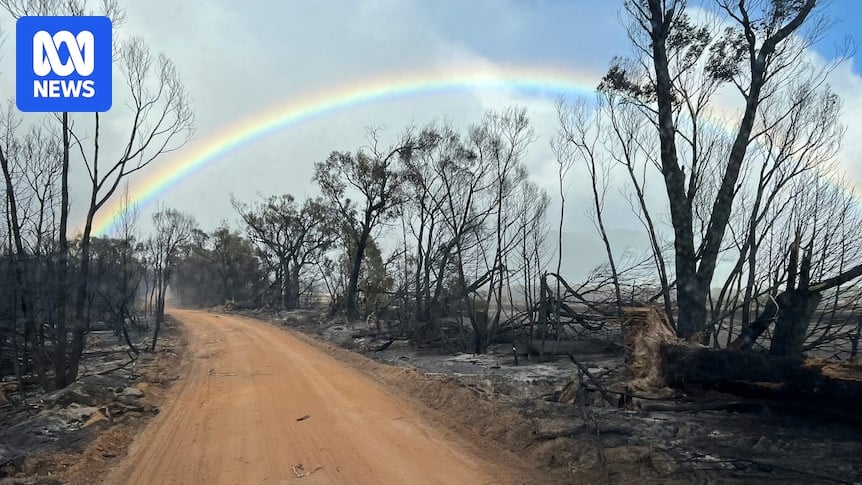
[282, 276]
[61, 378]
[160, 312]
[155, 336]
[791, 326]
[758, 375]
[695, 269]
[162, 279]
[793, 309]
[480, 326]
[126, 336]
[293, 288]
[355, 268]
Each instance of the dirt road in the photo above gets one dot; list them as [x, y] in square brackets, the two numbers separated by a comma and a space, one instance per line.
[232, 419]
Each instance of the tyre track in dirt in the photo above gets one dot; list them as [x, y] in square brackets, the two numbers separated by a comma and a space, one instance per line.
[233, 419]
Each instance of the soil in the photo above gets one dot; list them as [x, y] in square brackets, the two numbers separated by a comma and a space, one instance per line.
[303, 400]
[261, 405]
[75, 435]
[536, 410]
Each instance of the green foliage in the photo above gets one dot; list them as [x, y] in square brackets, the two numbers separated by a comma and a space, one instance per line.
[623, 80]
[727, 54]
[688, 41]
[343, 175]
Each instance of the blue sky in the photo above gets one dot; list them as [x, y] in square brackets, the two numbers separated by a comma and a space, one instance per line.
[847, 22]
[845, 18]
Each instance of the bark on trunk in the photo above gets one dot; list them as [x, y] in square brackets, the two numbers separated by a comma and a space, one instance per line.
[60, 375]
[791, 310]
[791, 327]
[355, 268]
[691, 310]
[758, 375]
[480, 324]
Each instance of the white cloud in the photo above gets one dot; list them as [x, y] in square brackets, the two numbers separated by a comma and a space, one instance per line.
[243, 58]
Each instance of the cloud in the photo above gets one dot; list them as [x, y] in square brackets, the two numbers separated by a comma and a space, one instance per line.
[239, 59]
[847, 83]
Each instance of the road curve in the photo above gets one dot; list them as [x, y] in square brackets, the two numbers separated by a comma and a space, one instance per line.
[232, 419]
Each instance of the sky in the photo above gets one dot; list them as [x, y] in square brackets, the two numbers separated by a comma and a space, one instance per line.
[240, 60]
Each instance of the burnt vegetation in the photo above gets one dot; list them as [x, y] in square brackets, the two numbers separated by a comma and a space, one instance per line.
[442, 236]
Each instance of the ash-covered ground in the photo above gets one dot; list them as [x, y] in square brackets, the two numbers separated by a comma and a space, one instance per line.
[566, 423]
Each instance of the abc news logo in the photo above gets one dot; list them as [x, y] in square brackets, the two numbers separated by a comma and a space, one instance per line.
[63, 64]
[80, 61]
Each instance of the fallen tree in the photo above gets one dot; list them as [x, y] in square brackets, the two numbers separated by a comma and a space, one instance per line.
[762, 376]
[657, 358]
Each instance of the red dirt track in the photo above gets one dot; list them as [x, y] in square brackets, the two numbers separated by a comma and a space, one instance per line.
[232, 419]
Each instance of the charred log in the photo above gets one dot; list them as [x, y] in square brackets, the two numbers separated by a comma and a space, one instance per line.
[758, 375]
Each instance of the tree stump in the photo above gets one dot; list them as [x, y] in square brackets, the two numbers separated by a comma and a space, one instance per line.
[645, 330]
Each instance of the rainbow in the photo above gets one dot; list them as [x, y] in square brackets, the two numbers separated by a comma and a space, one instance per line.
[542, 81]
[534, 80]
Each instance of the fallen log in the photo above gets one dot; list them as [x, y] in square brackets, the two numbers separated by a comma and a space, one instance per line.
[599, 386]
[370, 333]
[385, 346]
[759, 375]
[231, 306]
[563, 347]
